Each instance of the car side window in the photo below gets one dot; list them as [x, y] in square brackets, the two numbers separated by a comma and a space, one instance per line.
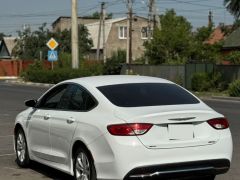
[76, 101]
[81, 100]
[65, 99]
[53, 97]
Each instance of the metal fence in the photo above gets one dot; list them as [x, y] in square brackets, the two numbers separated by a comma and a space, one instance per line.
[182, 74]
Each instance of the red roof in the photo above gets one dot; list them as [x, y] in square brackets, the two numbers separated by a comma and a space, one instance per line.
[216, 36]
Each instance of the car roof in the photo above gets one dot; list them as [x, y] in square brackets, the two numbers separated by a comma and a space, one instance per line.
[97, 81]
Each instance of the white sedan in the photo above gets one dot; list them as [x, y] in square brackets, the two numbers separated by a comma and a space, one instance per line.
[123, 127]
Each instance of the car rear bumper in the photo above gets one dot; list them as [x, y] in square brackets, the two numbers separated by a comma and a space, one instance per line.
[122, 157]
[189, 169]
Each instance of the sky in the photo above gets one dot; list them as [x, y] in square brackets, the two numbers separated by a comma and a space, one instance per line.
[15, 13]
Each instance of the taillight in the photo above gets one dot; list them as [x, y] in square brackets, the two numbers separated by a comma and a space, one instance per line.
[219, 123]
[135, 129]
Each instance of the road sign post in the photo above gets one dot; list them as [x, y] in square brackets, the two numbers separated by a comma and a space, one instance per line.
[52, 55]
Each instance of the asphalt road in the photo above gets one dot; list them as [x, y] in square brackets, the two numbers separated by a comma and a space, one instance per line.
[12, 99]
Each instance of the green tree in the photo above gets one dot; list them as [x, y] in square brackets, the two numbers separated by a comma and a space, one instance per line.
[31, 43]
[171, 44]
[97, 15]
[202, 51]
[233, 6]
[203, 33]
[64, 40]
[234, 57]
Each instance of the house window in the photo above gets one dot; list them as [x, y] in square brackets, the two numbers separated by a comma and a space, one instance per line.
[144, 33]
[122, 34]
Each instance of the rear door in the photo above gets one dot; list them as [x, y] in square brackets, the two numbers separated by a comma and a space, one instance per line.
[72, 107]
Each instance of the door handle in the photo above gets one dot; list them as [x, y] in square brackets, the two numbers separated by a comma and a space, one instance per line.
[46, 117]
[70, 120]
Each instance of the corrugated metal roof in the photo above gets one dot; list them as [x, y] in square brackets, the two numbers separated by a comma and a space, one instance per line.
[93, 29]
[233, 40]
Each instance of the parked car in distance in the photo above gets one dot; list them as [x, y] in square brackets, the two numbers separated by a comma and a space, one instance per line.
[123, 127]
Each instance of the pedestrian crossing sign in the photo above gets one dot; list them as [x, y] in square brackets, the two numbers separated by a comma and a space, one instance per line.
[52, 56]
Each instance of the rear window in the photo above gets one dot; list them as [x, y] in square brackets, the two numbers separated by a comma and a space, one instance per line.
[147, 94]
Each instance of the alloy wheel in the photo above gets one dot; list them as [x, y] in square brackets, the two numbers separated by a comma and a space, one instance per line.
[21, 147]
[82, 167]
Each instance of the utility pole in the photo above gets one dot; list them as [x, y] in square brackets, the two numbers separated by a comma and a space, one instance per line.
[156, 18]
[149, 29]
[129, 33]
[210, 21]
[104, 38]
[100, 31]
[75, 50]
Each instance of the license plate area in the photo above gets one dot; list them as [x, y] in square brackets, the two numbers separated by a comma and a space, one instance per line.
[180, 131]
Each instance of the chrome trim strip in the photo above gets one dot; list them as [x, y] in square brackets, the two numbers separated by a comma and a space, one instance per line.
[182, 119]
[169, 172]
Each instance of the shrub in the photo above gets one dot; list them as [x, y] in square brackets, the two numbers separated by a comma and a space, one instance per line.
[42, 75]
[208, 81]
[200, 82]
[114, 64]
[234, 89]
[234, 57]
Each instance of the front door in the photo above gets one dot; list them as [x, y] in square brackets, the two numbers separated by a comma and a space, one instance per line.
[39, 123]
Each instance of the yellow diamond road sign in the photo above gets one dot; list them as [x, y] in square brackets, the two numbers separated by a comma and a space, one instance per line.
[52, 44]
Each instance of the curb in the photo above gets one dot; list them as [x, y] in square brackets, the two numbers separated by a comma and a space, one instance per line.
[20, 82]
[226, 98]
[221, 98]
[8, 77]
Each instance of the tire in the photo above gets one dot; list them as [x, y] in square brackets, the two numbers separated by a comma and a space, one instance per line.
[211, 177]
[21, 149]
[83, 165]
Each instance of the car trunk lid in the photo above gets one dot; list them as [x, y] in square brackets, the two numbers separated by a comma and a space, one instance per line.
[173, 126]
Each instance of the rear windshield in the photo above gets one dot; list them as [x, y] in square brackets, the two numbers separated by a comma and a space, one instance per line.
[147, 94]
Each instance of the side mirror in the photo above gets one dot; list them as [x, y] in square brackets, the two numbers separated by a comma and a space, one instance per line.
[31, 103]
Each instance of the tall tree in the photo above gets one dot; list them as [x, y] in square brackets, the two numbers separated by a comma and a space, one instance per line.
[31, 43]
[97, 15]
[200, 50]
[233, 6]
[172, 42]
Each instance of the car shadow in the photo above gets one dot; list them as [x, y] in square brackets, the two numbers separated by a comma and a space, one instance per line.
[49, 172]
[54, 174]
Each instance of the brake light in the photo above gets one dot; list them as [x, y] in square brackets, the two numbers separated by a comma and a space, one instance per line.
[135, 129]
[219, 123]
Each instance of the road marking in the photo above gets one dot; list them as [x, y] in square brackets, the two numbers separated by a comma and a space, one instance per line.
[4, 149]
[6, 115]
[2, 155]
[6, 136]
[11, 168]
[4, 124]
